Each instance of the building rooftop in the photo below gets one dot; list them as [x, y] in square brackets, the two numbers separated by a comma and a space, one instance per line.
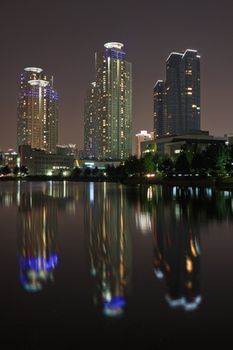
[114, 45]
[33, 69]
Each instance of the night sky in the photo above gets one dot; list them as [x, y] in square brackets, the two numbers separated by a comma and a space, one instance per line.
[62, 36]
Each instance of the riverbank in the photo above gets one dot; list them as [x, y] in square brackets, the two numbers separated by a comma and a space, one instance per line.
[223, 183]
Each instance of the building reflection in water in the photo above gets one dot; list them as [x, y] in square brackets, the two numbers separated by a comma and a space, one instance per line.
[37, 236]
[38, 210]
[177, 258]
[107, 222]
[179, 214]
[177, 249]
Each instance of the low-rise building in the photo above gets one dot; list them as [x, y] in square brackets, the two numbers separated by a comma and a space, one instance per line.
[67, 150]
[172, 145]
[230, 139]
[38, 162]
[10, 159]
[101, 165]
[148, 146]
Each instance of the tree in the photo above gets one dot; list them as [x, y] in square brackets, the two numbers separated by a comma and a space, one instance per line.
[133, 165]
[149, 163]
[95, 171]
[76, 172]
[120, 171]
[87, 172]
[198, 163]
[190, 149]
[23, 170]
[182, 164]
[110, 170]
[216, 158]
[6, 170]
[166, 165]
[16, 170]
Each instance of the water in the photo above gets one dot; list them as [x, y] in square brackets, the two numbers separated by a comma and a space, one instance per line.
[109, 264]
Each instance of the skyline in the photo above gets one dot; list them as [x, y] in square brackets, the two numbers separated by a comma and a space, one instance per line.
[68, 35]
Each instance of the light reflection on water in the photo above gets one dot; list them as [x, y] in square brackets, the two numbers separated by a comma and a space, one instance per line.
[169, 222]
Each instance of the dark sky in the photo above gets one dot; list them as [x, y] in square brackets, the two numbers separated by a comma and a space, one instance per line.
[62, 36]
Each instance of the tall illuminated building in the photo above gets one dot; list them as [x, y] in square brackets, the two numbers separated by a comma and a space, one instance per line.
[113, 103]
[37, 123]
[190, 90]
[177, 100]
[160, 109]
[90, 122]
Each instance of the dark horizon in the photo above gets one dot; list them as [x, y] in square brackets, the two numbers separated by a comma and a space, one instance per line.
[62, 37]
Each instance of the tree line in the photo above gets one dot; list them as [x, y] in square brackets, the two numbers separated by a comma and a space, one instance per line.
[215, 160]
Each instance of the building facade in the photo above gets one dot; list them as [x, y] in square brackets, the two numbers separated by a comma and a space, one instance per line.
[112, 124]
[161, 126]
[10, 159]
[190, 90]
[172, 145]
[40, 162]
[140, 138]
[90, 122]
[37, 122]
[177, 100]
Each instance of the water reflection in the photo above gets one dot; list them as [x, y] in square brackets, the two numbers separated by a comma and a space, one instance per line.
[37, 234]
[38, 211]
[175, 217]
[177, 257]
[107, 222]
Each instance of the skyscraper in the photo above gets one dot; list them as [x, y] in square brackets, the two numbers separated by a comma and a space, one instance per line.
[113, 104]
[90, 122]
[177, 100]
[173, 92]
[160, 109]
[37, 123]
[190, 89]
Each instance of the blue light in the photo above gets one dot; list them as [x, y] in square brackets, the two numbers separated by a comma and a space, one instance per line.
[115, 303]
[117, 54]
[33, 263]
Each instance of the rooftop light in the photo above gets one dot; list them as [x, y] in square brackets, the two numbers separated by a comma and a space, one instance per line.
[114, 45]
[33, 69]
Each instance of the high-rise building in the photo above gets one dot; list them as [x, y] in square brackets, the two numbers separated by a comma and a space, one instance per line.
[190, 90]
[177, 100]
[173, 94]
[161, 126]
[37, 123]
[90, 122]
[113, 106]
